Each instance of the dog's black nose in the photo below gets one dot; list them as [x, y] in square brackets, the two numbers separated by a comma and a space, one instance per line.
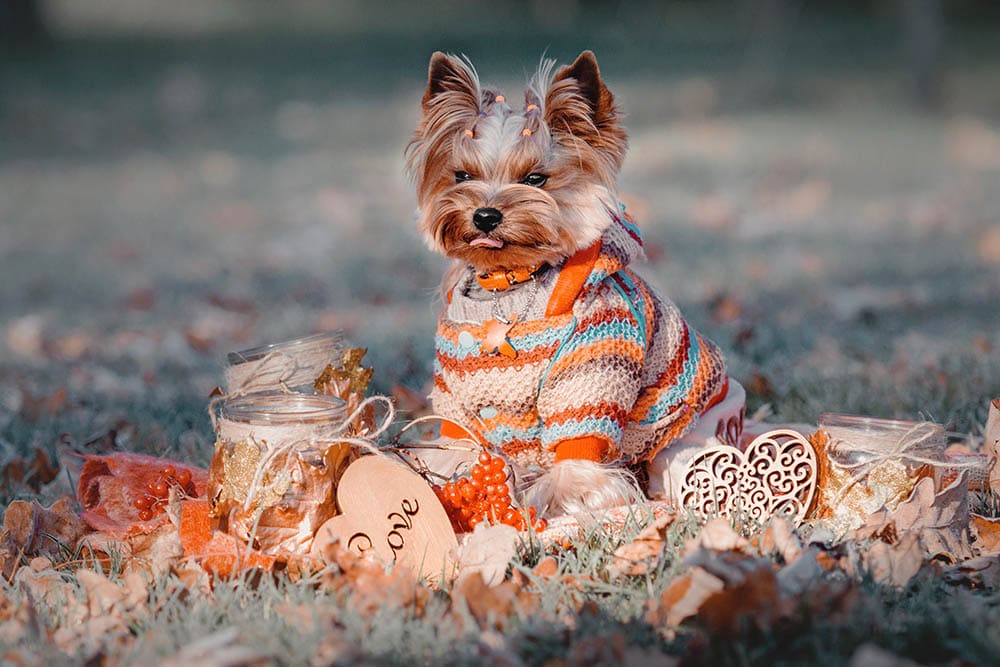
[486, 219]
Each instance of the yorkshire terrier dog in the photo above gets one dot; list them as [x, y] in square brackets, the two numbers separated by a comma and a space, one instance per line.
[549, 348]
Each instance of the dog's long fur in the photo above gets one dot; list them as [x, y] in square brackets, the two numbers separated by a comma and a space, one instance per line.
[568, 130]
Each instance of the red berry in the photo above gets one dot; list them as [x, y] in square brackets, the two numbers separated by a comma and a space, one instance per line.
[497, 465]
[160, 488]
[146, 515]
[169, 471]
[184, 477]
[484, 457]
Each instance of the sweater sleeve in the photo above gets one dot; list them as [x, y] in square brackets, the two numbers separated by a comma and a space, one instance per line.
[594, 379]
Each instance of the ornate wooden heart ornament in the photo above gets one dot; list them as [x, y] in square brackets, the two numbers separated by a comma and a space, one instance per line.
[775, 475]
[391, 511]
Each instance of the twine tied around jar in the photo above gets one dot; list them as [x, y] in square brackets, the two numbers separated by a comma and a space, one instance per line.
[300, 438]
[910, 446]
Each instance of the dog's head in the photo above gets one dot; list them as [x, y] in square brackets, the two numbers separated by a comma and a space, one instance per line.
[500, 188]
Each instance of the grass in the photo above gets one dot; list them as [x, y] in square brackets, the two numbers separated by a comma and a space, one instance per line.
[207, 198]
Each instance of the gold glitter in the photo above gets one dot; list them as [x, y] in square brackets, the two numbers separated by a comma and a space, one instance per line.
[846, 497]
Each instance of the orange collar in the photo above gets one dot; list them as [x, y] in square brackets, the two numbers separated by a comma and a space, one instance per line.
[507, 278]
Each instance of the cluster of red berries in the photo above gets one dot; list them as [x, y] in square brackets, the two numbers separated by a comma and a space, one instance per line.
[483, 495]
[157, 491]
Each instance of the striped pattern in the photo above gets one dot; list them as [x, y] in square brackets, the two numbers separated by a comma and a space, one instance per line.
[608, 366]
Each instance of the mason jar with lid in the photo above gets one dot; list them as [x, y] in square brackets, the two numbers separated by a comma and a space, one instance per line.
[274, 472]
[291, 365]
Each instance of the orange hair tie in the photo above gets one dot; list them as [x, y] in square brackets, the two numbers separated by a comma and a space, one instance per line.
[525, 132]
[500, 98]
[468, 133]
[532, 107]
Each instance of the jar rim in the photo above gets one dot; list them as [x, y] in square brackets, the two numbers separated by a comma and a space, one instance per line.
[844, 420]
[279, 408]
[333, 338]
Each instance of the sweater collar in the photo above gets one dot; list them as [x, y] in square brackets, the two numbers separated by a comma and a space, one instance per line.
[587, 268]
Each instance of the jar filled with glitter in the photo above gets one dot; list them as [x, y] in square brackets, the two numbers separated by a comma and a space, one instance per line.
[292, 365]
[275, 468]
[867, 463]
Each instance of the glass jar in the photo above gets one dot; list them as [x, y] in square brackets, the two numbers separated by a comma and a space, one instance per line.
[275, 468]
[856, 439]
[872, 463]
[291, 365]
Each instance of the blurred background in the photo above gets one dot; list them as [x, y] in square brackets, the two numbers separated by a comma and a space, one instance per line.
[818, 185]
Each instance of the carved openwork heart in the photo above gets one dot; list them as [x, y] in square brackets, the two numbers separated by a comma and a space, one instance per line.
[774, 476]
[389, 510]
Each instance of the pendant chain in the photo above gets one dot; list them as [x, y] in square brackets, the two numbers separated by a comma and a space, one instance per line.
[498, 315]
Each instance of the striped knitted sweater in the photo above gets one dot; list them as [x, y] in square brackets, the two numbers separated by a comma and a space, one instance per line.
[605, 370]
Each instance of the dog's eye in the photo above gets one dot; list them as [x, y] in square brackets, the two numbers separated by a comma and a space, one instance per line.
[462, 176]
[535, 180]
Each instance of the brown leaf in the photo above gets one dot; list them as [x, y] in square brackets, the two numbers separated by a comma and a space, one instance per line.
[717, 535]
[894, 564]
[683, 597]
[756, 601]
[105, 597]
[46, 586]
[987, 534]
[32, 474]
[991, 444]
[29, 529]
[547, 567]
[491, 607]
[939, 519]
[643, 553]
[779, 537]
[982, 572]
[487, 551]
[34, 407]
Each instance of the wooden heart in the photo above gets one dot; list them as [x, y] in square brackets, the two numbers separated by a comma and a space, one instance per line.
[389, 510]
[774, 476]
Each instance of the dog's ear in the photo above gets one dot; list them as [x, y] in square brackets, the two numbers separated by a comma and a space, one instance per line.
[578, 103]
[448, 74]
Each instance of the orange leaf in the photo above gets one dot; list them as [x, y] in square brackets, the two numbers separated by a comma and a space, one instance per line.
[217, 552]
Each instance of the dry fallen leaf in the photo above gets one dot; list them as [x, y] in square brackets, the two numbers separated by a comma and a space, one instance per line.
[939, 519]
[491, 607]
[757, 601]
[29, 529]
[31, 474]
[894, 564]
[717, 535]
[487, 551]
[643, 553]
[779, 537]
[987, 535]
[982, 572]
[683, 598]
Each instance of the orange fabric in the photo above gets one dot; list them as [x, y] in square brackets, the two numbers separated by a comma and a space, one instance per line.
[571, 279]
[452, 429]
[589, 448]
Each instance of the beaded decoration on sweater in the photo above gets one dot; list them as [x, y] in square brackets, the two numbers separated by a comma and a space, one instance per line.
[605, 368]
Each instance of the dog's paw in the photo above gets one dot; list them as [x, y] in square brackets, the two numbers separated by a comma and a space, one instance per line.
[577, 486]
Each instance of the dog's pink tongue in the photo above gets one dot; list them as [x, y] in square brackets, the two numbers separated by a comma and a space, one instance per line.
[488, 242]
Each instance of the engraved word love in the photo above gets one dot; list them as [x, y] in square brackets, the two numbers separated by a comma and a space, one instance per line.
[394, 539]
[390, 511]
